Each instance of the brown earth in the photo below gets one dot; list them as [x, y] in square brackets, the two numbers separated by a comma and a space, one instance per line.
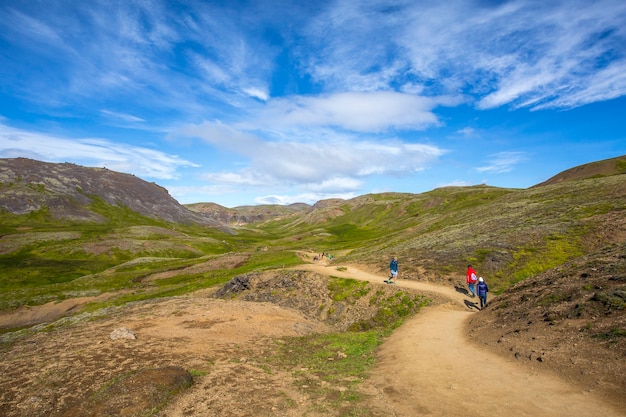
[429, 366]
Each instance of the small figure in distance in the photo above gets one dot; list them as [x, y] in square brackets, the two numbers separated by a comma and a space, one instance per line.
[393, 271]
[471, 279]
[483, 289]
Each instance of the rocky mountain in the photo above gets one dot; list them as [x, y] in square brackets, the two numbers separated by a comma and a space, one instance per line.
[70, 192]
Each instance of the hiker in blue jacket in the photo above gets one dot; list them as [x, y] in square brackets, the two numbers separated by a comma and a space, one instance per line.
[482, 290]
[393, 271]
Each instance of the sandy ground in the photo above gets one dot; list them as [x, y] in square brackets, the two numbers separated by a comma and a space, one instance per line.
[429, 367]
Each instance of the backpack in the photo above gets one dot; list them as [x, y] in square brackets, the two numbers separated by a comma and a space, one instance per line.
[473, 277]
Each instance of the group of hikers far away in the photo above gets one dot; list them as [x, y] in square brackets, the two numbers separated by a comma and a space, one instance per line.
[474, 284]
[322, 256]
[481, 287]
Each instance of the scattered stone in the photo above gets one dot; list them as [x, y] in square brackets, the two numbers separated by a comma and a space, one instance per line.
[122, 333]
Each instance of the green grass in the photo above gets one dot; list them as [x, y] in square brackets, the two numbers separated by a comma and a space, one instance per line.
[532, 260]
[342, 289]
[340, 360]
[181, 284]
[610, 335]
[35, 284]
[392, 309]
[43, 259]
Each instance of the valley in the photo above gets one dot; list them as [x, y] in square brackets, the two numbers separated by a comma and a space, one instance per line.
[232, 315]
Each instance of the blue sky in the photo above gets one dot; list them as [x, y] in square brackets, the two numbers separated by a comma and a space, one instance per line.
[276, 102]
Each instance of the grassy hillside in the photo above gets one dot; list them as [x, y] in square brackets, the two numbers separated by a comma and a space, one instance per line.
[507, 234]
[45, 259]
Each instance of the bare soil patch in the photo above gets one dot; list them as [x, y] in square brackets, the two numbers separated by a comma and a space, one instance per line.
[58, 372]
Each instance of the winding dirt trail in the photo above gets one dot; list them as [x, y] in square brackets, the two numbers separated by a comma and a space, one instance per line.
[428, 367]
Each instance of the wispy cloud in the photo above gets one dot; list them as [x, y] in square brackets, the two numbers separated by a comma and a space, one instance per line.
[329, 163]
[456, 183]
[143, 162]
[503, 162]
[308, 198]
[467, 132]
[522, 53]
[121, 116]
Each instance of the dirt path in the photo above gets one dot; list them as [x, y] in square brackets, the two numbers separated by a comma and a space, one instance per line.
[428, 367]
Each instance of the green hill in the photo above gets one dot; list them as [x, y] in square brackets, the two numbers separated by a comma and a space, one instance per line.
[555, 254]
[507, 234]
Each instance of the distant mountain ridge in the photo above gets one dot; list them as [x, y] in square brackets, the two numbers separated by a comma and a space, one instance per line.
[247, 214]
[324, 209]
[67, 191]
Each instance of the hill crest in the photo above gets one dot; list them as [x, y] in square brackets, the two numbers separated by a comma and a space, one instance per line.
[604, 168]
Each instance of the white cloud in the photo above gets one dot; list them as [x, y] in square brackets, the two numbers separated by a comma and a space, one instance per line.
[255, 92]
[242, 178]
[223, 136]
[332, 163]
[309, 198]
[336, 185]
[555, 55]
[606, 84]
[121, 116]
[143, 162]
[455, 183]
[361, 112]
[503, 162]
[467, 132]
[524, 53]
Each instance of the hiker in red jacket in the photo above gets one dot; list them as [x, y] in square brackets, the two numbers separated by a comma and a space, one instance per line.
[471, 279]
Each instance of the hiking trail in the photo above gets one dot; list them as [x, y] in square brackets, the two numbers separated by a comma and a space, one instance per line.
[429, 367]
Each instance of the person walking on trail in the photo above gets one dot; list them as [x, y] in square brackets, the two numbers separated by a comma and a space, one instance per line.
[393, 271]
[482, 290]
[471, 280]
